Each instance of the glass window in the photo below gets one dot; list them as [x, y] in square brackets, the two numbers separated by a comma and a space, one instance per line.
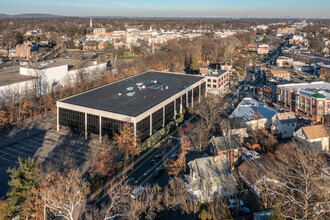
[93, 124]
[143, 128]
[72, 119]
[196, 94]
[157, 119]
[320, 104]
[184, 100]
[169, 112]
[189, 98]
[320, 112]
[177, 104]
[203, 89]
[110, 126]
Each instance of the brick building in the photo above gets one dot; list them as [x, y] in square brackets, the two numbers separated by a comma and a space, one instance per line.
[279, 73]
[311, 100]
[325, 72]
[217, 82]
[23, 50]
[269, 93]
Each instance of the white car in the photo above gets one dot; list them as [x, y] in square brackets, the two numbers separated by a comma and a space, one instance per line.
[137, 192]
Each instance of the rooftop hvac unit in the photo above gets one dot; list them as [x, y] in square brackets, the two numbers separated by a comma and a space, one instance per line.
[130, 93]
[130, 88]
[139, 83]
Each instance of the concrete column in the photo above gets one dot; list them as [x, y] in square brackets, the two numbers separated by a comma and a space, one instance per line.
[163, 116]
[199, 94]
[135, 134]
[180, 105]
[85, 125]
[58, 120]
[187, 100]
[174, 108]
[100, 128]
[150, 124]
[192, 98]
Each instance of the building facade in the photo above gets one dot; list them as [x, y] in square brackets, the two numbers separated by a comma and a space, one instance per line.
[147, 101]
[269, 93]
[325, 72]
[217, 82]
[311, 100]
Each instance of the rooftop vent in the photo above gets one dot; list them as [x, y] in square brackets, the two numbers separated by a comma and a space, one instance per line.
[139, 83]
[130, 88]
[130, 93]
[119, 93]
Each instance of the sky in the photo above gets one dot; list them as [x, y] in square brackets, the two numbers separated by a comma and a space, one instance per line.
[171, 8]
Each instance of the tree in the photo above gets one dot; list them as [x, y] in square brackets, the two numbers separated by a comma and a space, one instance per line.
[193, 64]
[104, 161]
[267, 141]
[277, 214]
[209, 108]
[179, 165]
[300, 191]
[198, 135]
[126, 140]
[34, 208]
[3, 118]
[63, 192]
[23, 179]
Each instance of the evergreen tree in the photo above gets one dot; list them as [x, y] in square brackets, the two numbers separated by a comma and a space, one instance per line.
[277, 214]
[193, 64]
[23, 179]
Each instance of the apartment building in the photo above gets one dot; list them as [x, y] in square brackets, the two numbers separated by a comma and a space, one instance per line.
[23, 50]
[325, 72]
[311, 100]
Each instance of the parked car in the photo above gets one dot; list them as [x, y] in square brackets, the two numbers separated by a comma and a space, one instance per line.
[159, 171]
[155, 159]
[174, 157]
[137, 192]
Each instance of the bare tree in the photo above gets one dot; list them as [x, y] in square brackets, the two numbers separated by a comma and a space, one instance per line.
[209, 109]
[301, 192]
[198, 135]
[63, 193]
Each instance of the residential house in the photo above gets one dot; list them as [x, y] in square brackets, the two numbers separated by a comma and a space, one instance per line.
[257, 115]
[230, 146]
[316, 135]
[210, 177]
[232, 126]
[284, 124]
[310, 100]
[279, 73]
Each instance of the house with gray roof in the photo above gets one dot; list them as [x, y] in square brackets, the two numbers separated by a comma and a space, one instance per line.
[284, 124]
[210, 177]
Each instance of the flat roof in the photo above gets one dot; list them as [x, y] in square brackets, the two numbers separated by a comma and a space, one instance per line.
[115, 97]
[310, 89]
[72, 63]
[10, 75]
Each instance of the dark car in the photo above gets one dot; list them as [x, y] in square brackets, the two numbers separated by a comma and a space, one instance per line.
[159, 171]
[174, 157]
[155, 159]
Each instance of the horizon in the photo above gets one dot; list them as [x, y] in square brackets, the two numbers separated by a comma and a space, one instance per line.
[171, 9]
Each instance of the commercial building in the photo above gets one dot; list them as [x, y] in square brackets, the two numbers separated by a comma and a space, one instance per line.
[148, 101]
[269, 93]
[283, 61]
[43, 77]
[279, 73]
[217, 80]
[311, 100]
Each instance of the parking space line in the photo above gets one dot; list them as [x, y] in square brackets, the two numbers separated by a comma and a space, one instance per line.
[23, 148]
[11, 149]
[3, 158]
[6, 153]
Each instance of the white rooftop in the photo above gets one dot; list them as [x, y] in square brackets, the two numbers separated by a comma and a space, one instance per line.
[309, 89]
[251, 109]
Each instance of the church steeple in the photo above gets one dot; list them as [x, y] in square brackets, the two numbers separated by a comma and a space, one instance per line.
[91, 23]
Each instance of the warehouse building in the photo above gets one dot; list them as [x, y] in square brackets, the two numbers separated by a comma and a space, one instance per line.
[148, 100]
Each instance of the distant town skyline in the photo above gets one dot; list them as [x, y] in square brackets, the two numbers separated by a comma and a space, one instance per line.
[171, 8]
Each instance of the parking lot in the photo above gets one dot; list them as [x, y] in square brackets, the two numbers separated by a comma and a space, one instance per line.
[54, 150]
